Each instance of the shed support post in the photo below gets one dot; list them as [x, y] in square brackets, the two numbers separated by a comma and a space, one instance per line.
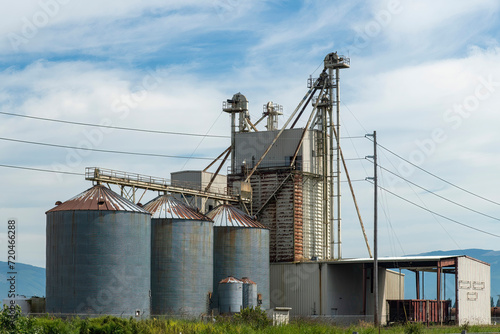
[417, 280]
[438, 293]
[364, 289]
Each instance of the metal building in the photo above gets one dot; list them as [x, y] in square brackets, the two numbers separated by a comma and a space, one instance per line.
[181, 258]
[98, 249]
[241, 249]
[201, 181]
[344, 290]
[230, 295]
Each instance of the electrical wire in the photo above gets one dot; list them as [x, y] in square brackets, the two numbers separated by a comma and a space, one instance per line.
[114, 127]
[442, 197]
[42, 170]
[357, 120]
[387, 215]
[130, 129]
[439, 215]
[201, 141]
[434, 175]
[423, 203]
[104, 151]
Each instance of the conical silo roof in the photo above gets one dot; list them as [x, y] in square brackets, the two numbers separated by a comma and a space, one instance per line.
[230, 280]
[167, 207]
[229, 216]
[98, 198]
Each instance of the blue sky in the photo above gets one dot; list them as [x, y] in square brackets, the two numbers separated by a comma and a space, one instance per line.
[424, 75]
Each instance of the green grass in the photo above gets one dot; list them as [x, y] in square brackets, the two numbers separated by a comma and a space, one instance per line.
[248, 322]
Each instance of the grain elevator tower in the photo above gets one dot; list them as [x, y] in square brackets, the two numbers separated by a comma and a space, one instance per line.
[294, 172]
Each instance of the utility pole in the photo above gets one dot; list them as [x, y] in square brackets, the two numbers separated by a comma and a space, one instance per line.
[375, 230]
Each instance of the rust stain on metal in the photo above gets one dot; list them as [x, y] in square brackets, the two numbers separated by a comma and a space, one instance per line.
[247, 280]
[230, 216]
[166, 206]
[98, 198]
[230, 279]
[298, 217]
[292, 212]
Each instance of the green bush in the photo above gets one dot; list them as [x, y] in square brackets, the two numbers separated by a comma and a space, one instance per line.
[414, 328]
[253, 317]
[12, 321]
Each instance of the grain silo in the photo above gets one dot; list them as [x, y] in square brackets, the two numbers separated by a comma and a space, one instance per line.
[98, 250]
[249, 293]
[181, 258]
[230, 295]
[241, 249]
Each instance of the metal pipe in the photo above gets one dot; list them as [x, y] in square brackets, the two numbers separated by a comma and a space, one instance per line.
[325, 181]
[339, 220]
[233, 140]
[303, 108]
[356, 204]
[281, 131]
[330, 165]
[218, 170]
[307, 126]
[215, 160]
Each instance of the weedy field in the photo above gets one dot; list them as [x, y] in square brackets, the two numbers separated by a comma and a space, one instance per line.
[248, 322]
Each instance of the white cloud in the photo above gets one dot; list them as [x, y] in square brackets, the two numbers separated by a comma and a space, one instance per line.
[427, 58]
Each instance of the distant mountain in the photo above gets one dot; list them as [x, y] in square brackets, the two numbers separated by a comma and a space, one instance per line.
[30, 280]
[489, 256]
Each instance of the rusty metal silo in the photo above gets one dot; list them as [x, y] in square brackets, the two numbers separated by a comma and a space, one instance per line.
[241, 249]
[230, 295]
[98, 250]
[181, 258]
[249, 293]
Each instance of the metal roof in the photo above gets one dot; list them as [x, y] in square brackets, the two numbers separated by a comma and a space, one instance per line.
[167, 207]
[407, 261]
[98, 198]
[230, 279]
[229, 216]
[397, 262]
[247, 280]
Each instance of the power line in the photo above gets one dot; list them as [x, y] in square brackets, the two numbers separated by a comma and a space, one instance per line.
[439, 215]
[114, 127]
[104, 151]
[131, 129]
[42, 170]
[442, 197]
[114, 151]
[439, 178]
[423, 203]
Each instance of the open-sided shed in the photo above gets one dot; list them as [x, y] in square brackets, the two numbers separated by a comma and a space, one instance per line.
[343, 290]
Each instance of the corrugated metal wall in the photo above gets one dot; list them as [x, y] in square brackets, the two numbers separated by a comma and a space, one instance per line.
[394, 285]
[298, 286]
[313, 216]
[278, 215]
[230, 296]
[473, 285]
[294, 209]
[182, 266]
[293, 214]
[242, 252]
[98, 262]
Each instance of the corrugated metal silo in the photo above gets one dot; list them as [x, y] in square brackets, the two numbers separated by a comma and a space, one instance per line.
[241, 249]
[249, 293]
[98, 250]
[181, 258]
[230, 295]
